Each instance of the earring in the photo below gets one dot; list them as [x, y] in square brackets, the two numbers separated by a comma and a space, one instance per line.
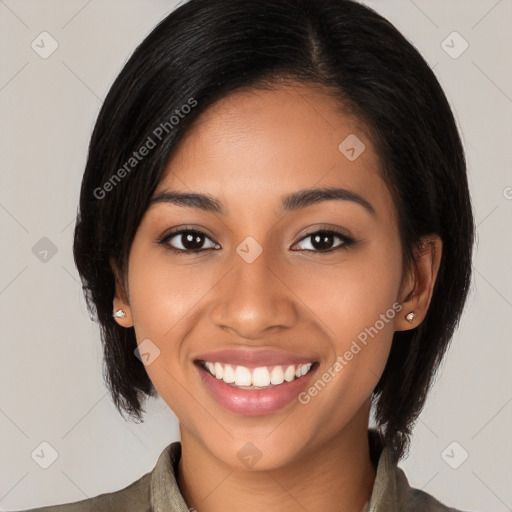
[119, 314]
[410, 316]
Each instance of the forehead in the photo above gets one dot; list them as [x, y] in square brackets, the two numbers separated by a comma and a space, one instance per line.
[255, 146]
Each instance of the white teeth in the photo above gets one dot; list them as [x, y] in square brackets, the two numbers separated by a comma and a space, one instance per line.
[260, 377]
[277, 375]
[242, 376]
[289, 374]
[219, 370]
[229, 374]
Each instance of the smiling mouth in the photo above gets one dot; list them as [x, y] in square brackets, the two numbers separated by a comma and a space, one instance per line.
[262, 377]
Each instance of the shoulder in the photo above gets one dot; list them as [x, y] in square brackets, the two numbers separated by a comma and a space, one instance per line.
[155, 490]
[391, 491]
[135, 496]
[415, 500]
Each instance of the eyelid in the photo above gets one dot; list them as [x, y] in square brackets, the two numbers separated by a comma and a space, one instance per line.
[347, 240]
[330, 228]
[164, 239]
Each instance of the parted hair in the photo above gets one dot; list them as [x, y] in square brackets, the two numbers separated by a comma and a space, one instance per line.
[206, 49]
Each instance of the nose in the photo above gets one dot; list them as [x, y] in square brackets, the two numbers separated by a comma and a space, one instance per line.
[254, 299]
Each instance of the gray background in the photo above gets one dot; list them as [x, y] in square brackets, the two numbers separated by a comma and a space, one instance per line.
[50, 364]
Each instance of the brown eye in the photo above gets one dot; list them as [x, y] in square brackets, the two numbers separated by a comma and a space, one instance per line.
[323, 240]
[187, 240]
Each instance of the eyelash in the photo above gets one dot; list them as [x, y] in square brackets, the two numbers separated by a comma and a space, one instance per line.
[347, 241]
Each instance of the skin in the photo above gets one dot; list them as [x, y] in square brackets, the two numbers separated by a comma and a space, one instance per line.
[248, 150]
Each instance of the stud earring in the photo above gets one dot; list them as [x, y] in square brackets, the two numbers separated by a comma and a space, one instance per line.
[410, 317]
[119, 314]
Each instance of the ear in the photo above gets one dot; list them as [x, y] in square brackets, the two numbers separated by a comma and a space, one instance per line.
[121, 297]
[418, 285]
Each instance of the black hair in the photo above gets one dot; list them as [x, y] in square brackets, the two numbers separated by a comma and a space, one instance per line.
[205, 50]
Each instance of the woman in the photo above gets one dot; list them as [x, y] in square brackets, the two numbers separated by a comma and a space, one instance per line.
[275, 234]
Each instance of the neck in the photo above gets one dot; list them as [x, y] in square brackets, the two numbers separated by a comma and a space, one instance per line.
[337, 475]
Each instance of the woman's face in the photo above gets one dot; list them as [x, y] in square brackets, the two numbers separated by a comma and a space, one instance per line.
[270, 288]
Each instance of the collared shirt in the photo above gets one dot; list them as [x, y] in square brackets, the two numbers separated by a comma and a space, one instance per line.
[158, 491]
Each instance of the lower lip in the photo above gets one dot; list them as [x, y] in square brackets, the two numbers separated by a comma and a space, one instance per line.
[253, 402]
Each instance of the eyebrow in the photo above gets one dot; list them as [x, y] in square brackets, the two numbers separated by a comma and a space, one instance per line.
[291, 202]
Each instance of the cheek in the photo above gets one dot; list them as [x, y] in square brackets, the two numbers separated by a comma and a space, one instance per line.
[163, 296]
[357, 304]
[166, 302]
[353, 295]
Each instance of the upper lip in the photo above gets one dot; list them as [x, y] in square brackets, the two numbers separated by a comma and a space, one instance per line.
[253, 358]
